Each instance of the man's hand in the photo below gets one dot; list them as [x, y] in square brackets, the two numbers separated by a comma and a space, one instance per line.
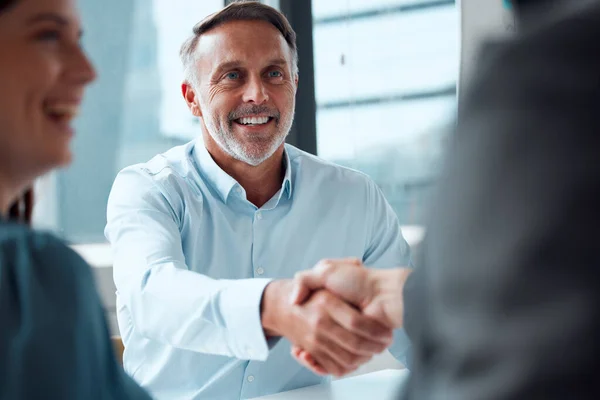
[378, 293]
[338, 337]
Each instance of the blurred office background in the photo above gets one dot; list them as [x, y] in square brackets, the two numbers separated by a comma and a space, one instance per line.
[377, 92]
[377, 87]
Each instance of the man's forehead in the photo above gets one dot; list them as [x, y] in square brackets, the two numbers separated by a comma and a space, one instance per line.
[245, 28]
[232, 40]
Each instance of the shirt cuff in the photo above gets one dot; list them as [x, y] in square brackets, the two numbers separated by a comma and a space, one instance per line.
[240, 308]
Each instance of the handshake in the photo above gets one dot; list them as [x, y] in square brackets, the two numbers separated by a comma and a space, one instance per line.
[337, 315]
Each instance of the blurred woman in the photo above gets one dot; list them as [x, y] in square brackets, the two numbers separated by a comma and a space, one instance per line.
[54, 341]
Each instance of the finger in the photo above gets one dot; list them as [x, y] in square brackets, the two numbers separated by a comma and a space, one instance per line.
[327, 347]
[357, 361]
[357, 345]
[309, 361]
[307, 281]
[301, 289]
[355, 322]
[325, 352]
[328, 360]
[299, 353]
[304, 356]
[307, 365]
[296, 350]
[304, 359]
[329, 266]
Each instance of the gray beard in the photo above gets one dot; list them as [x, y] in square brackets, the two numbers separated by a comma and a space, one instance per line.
[226, 140]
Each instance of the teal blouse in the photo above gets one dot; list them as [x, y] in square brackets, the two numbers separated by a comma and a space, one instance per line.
[54, 340]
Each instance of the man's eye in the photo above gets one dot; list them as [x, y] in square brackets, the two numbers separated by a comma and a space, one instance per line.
[275, 74]
[233, 75]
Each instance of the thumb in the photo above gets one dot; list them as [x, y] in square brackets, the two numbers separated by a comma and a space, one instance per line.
[304, 284]
[308, 281]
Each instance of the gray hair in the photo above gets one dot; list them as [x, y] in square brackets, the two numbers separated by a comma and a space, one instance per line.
[238, 11]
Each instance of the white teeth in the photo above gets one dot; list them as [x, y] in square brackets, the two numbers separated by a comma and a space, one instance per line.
[254, 120]
[67, 111]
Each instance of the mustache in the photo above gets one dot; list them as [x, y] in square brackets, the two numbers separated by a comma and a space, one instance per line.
[251, 110]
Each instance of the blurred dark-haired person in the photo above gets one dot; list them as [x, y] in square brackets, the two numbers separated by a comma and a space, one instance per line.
[54, 341]
[508, 305]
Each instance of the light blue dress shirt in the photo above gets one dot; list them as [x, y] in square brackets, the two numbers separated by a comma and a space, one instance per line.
[192, 257]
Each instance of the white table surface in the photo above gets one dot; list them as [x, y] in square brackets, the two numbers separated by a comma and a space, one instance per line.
[380, 385]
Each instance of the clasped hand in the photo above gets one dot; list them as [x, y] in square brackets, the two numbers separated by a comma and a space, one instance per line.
[363, 307]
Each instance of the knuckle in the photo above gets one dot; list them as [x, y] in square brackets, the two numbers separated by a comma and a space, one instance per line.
[356, 343]
[353, 361]
[322, 324]
[322, 298]
[355, 323]
[298, 276]
[337, 370]
[325, 265]
[319, 321]
[345, 358]
[312, 341]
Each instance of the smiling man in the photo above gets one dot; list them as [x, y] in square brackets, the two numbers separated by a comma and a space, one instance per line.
[207, 236]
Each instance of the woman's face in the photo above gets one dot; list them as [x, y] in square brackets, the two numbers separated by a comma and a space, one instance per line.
[43, 74]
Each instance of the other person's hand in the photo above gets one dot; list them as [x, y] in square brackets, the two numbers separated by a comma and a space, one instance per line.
[338, 336]
[377, 293]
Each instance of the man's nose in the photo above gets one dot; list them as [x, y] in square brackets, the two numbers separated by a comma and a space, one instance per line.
[256, 92]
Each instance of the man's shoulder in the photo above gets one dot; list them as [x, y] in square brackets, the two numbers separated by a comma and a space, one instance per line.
[177, 160]
[316, 167]
[174, 164]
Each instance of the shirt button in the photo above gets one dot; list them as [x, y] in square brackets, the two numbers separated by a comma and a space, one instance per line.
[259, 216]
[251, 378]
[239, 190]
[260, 271]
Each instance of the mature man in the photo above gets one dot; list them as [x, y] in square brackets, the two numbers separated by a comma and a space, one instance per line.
[207, 236]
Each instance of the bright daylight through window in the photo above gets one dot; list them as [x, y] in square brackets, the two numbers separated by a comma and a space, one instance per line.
[385, 84]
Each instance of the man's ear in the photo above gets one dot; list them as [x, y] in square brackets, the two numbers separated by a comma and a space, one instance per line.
[189, 95]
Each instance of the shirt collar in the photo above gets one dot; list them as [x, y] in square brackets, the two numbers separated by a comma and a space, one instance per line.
[287, 179]
[224, 183]
[219, 179]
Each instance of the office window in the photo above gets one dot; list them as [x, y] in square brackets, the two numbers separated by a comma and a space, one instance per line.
[385, 84]
[132, 112]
